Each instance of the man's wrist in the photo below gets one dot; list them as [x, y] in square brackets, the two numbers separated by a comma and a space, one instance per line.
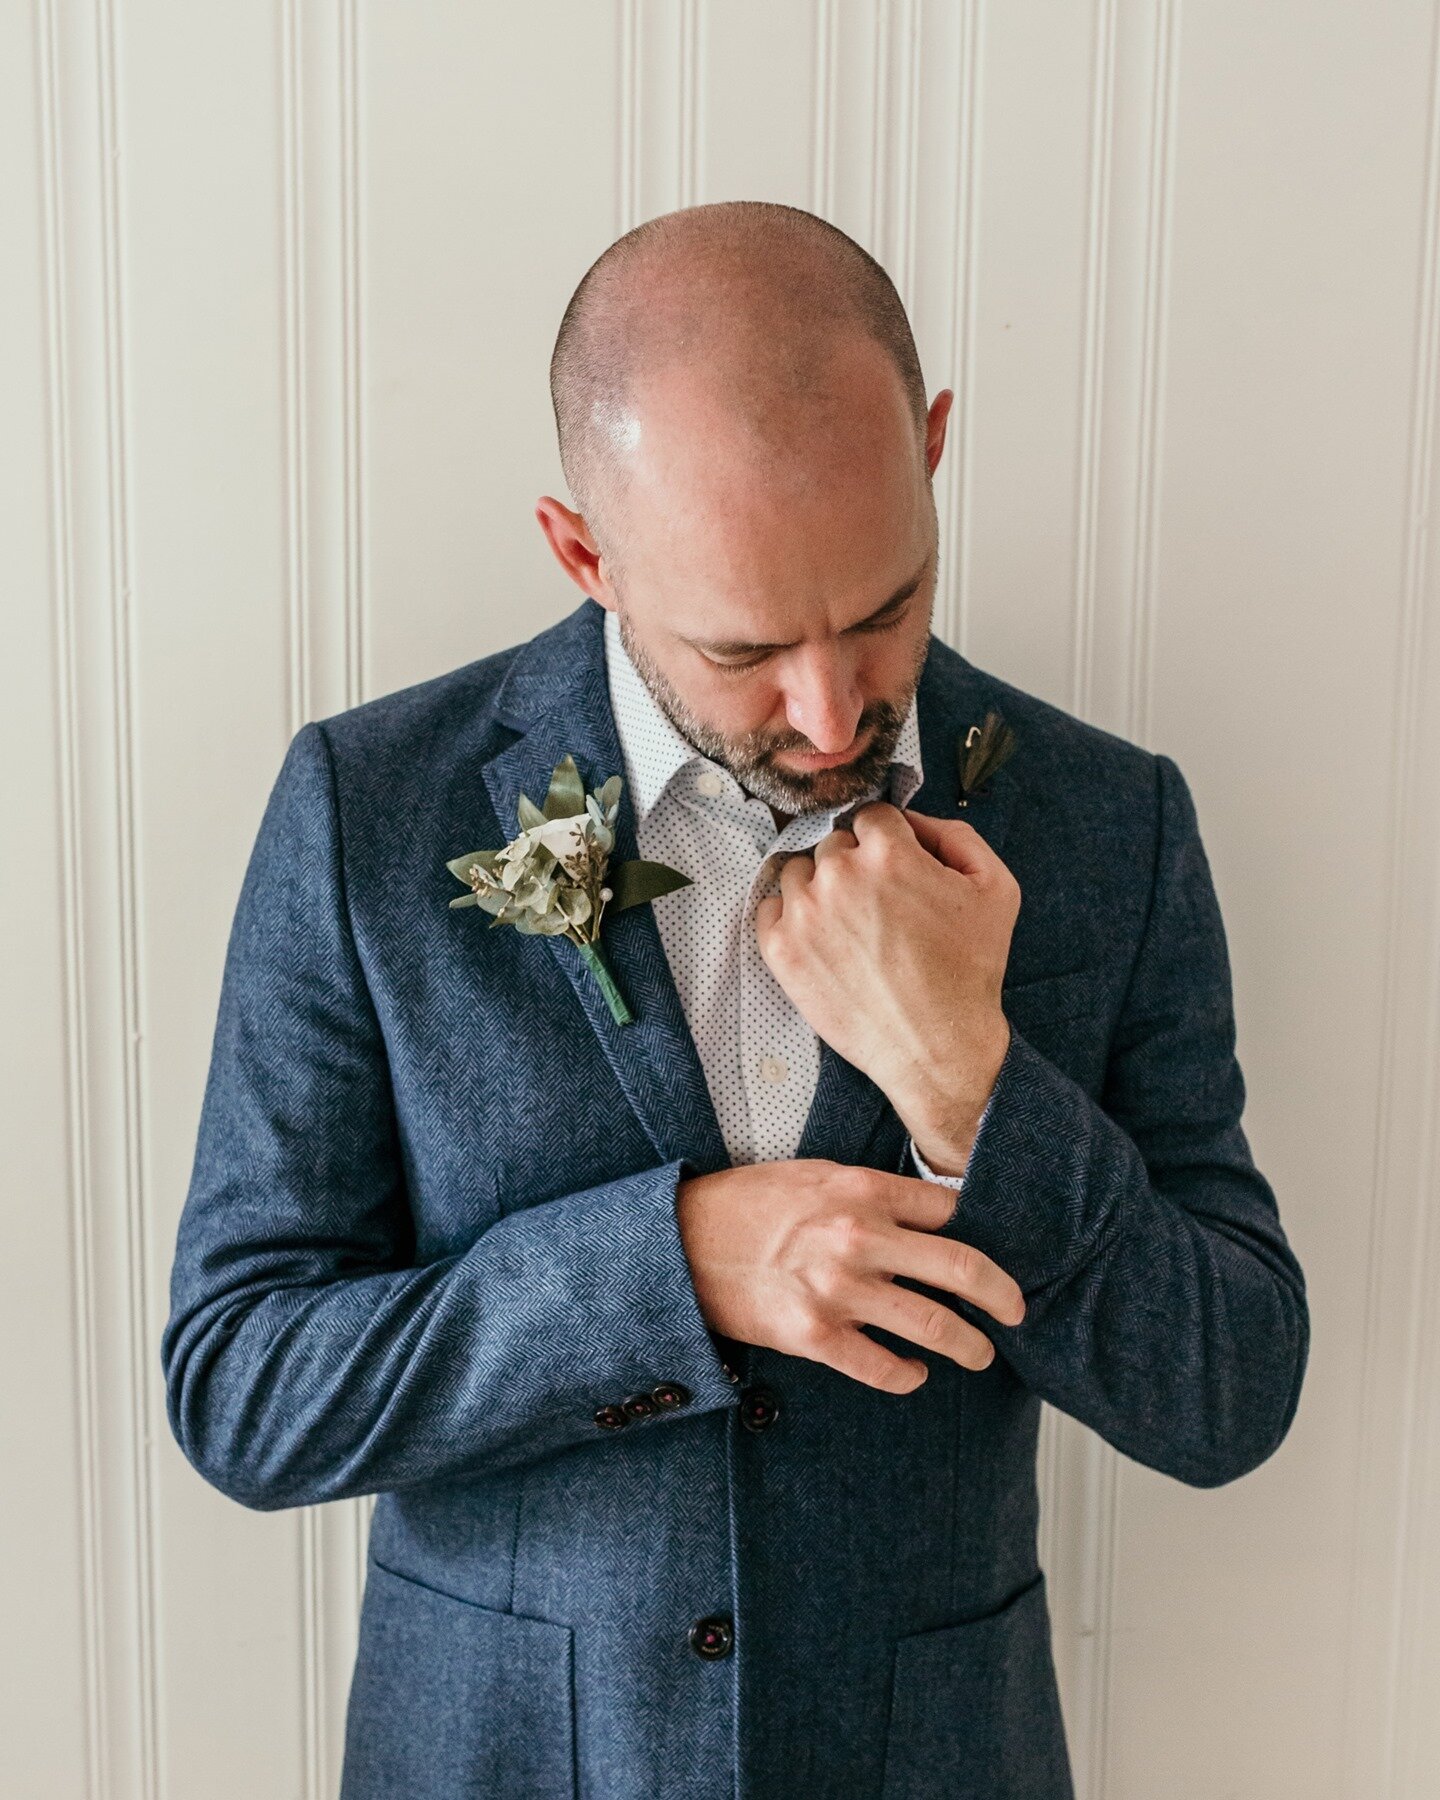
[946, 1131]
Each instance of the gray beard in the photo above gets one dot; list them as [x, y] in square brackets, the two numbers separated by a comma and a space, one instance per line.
[749, 756]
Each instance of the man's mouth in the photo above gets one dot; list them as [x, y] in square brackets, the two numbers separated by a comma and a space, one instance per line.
[817, 761]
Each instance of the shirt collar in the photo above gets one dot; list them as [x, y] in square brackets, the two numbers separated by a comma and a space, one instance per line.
[655, 751]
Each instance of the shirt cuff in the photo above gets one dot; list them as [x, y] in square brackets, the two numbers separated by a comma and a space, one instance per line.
[951, 1181]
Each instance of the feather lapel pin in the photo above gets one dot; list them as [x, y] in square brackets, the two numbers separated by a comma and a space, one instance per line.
[982, 750]
[554, 879]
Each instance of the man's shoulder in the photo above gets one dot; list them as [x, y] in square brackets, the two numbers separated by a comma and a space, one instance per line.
[1064, 755]
[458, 710]
[401, 723]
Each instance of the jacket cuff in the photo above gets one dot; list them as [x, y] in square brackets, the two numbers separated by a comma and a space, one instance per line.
[1044, 1181]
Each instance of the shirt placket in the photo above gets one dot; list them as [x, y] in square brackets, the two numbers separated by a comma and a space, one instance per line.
[780, 1051]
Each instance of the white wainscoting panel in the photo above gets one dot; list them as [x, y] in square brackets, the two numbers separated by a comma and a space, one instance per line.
[281, 285]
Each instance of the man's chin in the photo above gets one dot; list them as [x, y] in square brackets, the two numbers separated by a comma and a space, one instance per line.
[819, 790]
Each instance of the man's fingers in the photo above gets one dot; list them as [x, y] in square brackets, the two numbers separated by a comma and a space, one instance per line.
[878, 818]
[847, 1350]
[837, 839]
[955, 842]
[957, 1268]
[927, 1324]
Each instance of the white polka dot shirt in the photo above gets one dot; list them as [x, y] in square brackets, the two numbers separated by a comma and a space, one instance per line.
[760, 1056]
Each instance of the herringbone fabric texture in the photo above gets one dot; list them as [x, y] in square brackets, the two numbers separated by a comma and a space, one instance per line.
[430, 1232]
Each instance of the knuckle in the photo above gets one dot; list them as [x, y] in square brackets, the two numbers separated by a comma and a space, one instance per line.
[811, 1336]
[934, 1327]
[827, 1279]
[964, 1266]
[849, 1233]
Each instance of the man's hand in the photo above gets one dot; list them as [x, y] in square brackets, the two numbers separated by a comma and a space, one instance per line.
[892, 941]
[798, 1255]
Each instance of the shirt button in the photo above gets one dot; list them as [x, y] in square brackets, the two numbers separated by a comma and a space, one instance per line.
[773, 1068]
[710, 783]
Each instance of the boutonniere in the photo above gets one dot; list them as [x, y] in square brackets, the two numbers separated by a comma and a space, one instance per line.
[981, 752]
[555, 879]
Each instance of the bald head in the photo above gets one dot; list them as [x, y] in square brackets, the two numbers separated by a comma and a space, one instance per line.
[741, 311]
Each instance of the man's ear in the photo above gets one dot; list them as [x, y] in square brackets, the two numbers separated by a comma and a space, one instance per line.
[575, 549]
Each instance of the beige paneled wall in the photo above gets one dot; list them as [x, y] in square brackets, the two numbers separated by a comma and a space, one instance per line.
[281, 283]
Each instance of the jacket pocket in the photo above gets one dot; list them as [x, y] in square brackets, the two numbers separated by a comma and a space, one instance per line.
[975, 1710]
[455, 1701]
[1068, 994]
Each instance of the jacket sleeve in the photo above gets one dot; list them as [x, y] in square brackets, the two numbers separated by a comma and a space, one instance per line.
[1164, 1306]
[306, 1357]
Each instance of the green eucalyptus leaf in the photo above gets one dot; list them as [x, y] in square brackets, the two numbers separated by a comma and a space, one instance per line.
[459, 865]
[528, 813]
[465, 900]
[610, 792]
[567, 791]
[632, 883]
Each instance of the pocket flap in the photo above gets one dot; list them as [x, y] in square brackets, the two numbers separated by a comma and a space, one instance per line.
[1067, 994]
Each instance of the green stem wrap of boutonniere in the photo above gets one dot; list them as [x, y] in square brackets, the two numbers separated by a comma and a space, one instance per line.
[555, 879]
[981, 752]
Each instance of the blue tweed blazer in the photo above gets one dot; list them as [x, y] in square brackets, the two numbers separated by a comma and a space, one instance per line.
[429, 1252]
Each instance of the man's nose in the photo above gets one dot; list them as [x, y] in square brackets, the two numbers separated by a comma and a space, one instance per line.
[826, 705]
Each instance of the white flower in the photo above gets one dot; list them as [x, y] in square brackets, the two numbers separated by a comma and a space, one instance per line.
[548, 879]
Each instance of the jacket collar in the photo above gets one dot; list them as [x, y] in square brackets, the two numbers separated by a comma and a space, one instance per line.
[555, 696]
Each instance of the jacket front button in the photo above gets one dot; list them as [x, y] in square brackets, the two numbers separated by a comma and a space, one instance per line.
[638, 1406]
[610, 1418]
[712, 1635]
[670, 1394]
[759, 1408]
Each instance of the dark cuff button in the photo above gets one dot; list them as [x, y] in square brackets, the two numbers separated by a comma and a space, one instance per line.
[610, 1418]
[712, 1636]
[638, 1406]
[759, 1409]
[670, 1394]
[730, 1374]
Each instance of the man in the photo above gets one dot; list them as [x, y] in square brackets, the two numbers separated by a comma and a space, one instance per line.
[697, 1361]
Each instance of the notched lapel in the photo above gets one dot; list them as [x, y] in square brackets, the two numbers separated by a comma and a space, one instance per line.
[654, 1058]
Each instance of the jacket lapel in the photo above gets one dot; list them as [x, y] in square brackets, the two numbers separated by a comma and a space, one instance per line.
[555, 695]
[953, 694]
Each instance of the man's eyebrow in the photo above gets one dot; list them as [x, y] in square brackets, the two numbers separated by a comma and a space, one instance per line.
[740, 647]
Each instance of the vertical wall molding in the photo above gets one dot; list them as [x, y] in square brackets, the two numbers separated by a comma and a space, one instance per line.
[951, 609]
[321, 128]
[78, 1102]
[1389, 1703]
